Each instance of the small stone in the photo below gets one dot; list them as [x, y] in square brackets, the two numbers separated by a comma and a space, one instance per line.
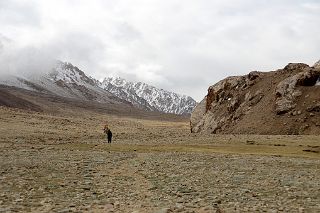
[218, 201]
[179, 206]
[108, 206]
[206, 209]
[164, 210]
[87, 188]
[197, 200]
[117, 204]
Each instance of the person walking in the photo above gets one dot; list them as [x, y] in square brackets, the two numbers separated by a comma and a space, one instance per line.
[108, 132]
[109, 135]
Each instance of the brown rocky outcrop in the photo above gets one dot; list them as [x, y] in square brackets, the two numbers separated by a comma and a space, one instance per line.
[287, 91]
[277, 102]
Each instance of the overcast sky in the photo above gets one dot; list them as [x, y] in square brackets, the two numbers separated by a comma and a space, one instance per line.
[181, 46]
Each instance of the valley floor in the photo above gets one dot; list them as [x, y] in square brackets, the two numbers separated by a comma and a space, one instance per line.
[61, 163]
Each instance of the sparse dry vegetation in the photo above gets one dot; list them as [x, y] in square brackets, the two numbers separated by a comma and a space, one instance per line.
[61, 163]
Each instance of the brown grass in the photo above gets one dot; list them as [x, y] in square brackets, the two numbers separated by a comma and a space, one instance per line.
[85, 132]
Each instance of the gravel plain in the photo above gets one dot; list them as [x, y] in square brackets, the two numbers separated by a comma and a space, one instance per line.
[62, 164]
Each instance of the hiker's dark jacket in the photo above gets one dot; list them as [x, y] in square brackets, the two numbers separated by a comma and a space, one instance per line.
[109, 133]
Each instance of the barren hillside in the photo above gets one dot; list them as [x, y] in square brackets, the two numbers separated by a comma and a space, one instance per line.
[285, 101]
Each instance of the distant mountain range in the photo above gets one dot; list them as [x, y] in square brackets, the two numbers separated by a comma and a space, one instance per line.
[149, 97]
[69, 81]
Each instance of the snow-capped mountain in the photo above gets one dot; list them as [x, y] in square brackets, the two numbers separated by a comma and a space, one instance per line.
[149, 97]
[63, 80]
[67, 73]
[67, 80]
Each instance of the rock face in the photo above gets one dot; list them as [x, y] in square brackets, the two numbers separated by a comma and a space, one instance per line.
[286, 90]
[277, 102]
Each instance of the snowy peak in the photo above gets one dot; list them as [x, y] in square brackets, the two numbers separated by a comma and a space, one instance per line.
[149, 97]
[64, 80]
[68, 73]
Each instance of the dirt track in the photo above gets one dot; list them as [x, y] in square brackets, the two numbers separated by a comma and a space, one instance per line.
[52, 163]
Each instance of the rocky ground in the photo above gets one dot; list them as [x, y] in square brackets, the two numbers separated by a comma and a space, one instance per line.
[51, 163]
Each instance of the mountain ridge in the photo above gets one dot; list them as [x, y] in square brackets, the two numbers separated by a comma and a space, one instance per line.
[67, 80]
[149, 97]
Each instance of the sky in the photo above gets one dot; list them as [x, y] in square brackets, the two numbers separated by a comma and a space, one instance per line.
[181, 46]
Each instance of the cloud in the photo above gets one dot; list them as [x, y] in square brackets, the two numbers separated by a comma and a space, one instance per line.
[180, 46]
[15, 60]
[19, 13]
